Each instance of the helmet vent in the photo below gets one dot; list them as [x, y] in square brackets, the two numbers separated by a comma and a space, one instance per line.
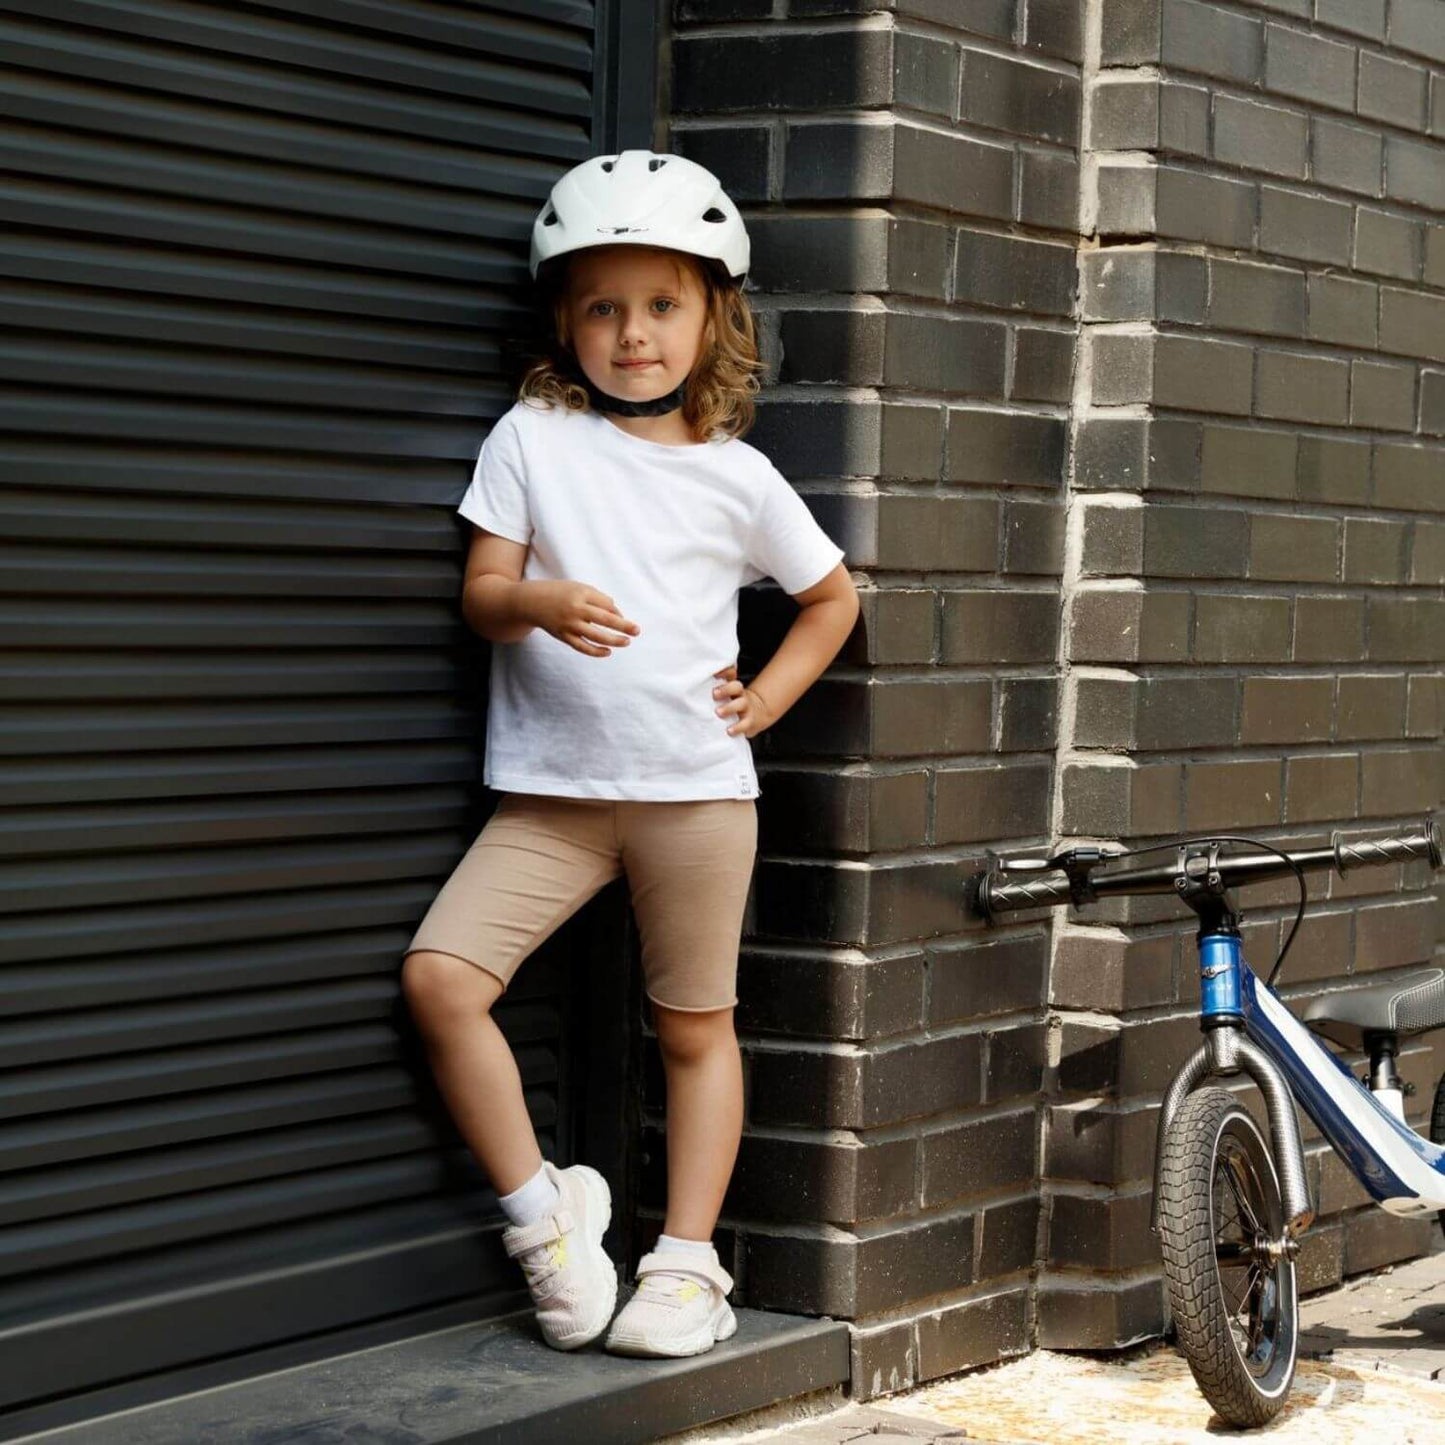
[713, 214]
[606, 165]
[655, 164]
[550, 219]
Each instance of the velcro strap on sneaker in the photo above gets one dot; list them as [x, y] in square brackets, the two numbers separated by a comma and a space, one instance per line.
[518, 1239]
[694, 1264]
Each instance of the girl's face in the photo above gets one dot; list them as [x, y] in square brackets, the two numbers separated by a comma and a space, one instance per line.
[637, 318]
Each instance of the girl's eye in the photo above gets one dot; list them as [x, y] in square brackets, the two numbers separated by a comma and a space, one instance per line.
[665, 302]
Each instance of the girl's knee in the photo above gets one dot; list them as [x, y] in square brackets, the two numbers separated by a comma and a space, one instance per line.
[438, 986]
[687, 1034]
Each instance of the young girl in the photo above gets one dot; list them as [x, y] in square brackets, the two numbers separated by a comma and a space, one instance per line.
[617, 514]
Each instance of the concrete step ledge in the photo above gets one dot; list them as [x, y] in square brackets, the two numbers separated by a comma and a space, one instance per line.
[491, 1383]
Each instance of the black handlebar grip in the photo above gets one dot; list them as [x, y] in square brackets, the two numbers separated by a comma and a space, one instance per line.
[1367, 851]
[998, 897]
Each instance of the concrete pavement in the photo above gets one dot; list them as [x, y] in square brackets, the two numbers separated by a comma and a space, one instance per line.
[1371, 1367]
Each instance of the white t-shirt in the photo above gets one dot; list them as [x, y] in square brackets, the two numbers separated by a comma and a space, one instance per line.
[670, 533]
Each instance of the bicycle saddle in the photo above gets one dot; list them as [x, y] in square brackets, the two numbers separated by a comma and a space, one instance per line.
[1404, 1006]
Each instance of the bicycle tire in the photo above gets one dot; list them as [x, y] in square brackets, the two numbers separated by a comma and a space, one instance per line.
[1437, 1126]
[1219, 1199]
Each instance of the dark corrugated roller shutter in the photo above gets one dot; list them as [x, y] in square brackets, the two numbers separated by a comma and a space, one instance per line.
[255, 264]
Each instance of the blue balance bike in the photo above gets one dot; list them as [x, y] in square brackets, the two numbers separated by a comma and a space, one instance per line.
[1229, 1207]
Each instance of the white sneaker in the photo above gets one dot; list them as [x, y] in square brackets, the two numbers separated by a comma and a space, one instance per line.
[679, 1308]
[572, 1280]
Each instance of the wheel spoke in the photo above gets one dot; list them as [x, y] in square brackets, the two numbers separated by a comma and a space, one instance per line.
[1246, 1214]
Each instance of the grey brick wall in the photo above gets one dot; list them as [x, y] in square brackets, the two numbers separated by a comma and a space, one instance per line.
[1106, 337]
[1254, 611]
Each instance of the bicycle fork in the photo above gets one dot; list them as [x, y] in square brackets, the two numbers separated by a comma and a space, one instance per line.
[1227, 1051]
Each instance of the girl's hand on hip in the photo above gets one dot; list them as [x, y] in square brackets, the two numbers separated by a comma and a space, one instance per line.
[751, 713]
[580, 616]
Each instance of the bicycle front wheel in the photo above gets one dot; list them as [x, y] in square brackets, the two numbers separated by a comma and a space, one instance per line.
[1231, 1285]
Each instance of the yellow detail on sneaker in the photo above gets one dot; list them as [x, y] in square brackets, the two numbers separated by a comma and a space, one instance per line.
[557, 1250]
[688, 1291]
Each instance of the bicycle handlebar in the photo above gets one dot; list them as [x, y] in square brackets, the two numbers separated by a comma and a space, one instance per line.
[991, 896]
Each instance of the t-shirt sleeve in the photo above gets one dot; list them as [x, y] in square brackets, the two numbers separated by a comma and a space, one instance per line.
[786, 542]
[496, 500]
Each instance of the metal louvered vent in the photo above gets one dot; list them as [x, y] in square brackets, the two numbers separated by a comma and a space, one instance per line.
[255, 263]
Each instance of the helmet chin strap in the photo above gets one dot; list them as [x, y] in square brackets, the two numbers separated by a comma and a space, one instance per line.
[658, 406]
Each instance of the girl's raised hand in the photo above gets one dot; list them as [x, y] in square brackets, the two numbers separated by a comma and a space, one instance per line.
[580, 616]
[736, 701]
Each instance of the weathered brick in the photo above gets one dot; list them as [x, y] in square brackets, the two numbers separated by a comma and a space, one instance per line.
[1309, 227]
[769, 69]
[1241, 792]
[1186, 712]
[1248, 462]
[974, 805]
[1103, 1232]
[1019, 98]
[1382, 395]
[1230, 628]
[999, 625]
[1360, 17]
[1048, 190]
[953, 354]
[1125, 625]
[1318, 786]
[1375, 551]
[849, 254]
[1125, 114]
[1342, 309]
[1195, 542]
[1417, 26]
[1183, 118]
[1346, 157]
[1260, 137]
[1297, 386]
[1287, 709]
[1392, 90]
[972, 980]
[978, 1155]
[1371, 705]
[1408, 322]
[1404, 628]
[1033, 538]
[1329, 629]
[1043, 365]
[1014, 274]
[925, 73]
[1197, 207]
[1333, 469]
[1004, 446]
[1425, 710]
[974, 1332]
[1267, 299]
[1220, 43]
[1288, 548]
[1386, 244]
[1409, 477]
[1309, 67]
[1413, 172]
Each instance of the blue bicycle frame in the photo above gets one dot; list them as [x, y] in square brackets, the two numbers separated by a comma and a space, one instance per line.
[1250, 1030]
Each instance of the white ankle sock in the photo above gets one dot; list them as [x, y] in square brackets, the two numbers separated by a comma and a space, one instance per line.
[666, 1243]
[533, 1201]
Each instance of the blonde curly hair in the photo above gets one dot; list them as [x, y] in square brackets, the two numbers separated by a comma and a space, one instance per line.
[720, 387]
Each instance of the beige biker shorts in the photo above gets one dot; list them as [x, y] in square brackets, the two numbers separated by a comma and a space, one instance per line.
[689, 866]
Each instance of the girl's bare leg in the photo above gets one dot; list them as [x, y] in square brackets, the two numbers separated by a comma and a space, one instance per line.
[704, 1071]
[451, 1001]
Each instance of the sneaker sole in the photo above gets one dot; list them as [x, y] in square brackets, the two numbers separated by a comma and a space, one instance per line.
[723, 1326]
[599, 1215]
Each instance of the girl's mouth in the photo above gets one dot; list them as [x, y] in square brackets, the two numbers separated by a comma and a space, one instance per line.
[634, 365]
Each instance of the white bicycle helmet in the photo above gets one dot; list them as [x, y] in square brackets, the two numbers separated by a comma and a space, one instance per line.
[643, 199]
